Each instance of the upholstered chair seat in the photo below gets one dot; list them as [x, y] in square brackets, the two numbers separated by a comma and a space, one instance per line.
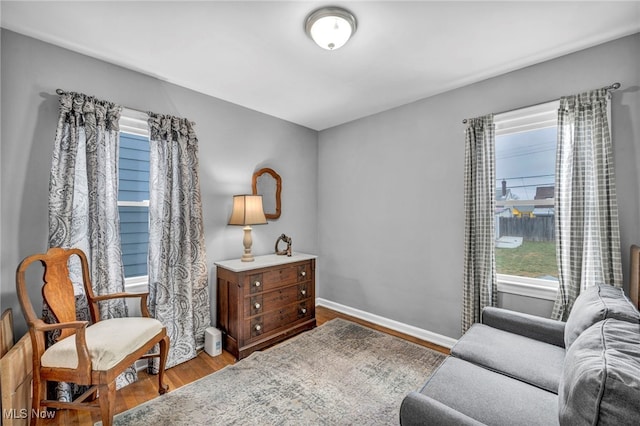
[105, 351]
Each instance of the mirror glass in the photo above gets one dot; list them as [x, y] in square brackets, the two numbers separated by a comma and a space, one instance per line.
[267, 182]
[267, 188]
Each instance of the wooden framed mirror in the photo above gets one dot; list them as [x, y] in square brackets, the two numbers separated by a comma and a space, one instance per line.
[267, 182]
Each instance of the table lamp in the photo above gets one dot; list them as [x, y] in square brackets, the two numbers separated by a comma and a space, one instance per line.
[247, 211]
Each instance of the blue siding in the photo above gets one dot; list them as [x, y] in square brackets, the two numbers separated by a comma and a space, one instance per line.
[134, 186]
[134, 168]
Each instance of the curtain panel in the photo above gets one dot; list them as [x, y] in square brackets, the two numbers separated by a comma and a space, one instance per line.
[178, 278]
[586, 217]
[479, 286]
[83, 210]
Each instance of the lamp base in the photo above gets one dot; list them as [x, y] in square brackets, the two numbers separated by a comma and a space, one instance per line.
[247, 242]
[247, 257]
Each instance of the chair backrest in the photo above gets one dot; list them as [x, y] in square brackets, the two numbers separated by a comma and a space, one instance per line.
[57, 288]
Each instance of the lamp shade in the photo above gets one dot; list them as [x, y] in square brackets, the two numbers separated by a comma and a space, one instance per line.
[247, 210]
[330, 27]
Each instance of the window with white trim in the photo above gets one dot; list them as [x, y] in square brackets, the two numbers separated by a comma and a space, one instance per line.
[525, 154]
[133, 194]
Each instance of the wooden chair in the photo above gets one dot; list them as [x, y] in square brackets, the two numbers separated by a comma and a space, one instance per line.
[86, 354]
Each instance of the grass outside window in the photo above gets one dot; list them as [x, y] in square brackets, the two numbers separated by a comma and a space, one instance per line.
[532, 259]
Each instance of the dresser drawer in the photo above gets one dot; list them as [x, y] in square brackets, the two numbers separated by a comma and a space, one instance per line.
[270, 321]
[259, 303]
[271, 279]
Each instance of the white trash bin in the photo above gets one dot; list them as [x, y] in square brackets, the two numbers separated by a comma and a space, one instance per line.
[213, 341]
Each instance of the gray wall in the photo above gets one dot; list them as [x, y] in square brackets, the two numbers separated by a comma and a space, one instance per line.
[391, 186]
[234, 142]
[379, 199]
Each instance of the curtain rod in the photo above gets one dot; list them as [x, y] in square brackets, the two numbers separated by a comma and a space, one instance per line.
[614, 86]
[62, 92]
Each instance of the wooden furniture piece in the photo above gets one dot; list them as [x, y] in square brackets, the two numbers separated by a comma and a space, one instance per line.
[86, 354]
[265, 301]
[16, 371]
[6, 331]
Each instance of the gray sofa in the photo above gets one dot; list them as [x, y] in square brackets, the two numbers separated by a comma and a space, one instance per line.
[519, 369]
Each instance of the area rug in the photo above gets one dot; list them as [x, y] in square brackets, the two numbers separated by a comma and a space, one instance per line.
[340, 373]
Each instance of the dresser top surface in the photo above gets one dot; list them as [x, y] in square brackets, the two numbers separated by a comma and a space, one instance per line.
[236, 265]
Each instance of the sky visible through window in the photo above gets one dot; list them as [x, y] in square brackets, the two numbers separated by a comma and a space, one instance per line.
[526, 161]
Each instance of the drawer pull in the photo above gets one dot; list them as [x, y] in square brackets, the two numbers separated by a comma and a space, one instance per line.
[258, 327]
[256, 305]
[303, 273]
[303, 292]
[303, 311]
[257, 284]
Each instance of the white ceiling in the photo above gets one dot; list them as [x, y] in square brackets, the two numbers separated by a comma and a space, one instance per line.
[257, 55]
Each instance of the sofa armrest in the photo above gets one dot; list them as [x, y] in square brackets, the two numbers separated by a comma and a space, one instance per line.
[532, 326]
[419, 409]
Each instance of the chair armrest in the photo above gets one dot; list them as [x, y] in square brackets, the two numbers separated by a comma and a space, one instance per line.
[43, 326]
[84, 359]
[532, 326]
[419, 409]
[143, 299]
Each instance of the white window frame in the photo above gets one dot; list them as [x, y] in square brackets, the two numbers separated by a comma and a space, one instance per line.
[516, 121]
[135, 122]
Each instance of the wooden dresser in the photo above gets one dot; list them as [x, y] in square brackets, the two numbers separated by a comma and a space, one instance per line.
[264, 302]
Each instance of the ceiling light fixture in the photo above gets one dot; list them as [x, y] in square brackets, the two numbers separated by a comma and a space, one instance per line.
[330, 27]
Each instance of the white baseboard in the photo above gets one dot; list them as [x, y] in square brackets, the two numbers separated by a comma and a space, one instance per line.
[141, 364]
[421, 334]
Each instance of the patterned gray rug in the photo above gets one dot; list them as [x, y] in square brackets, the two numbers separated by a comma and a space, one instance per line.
[337, 374]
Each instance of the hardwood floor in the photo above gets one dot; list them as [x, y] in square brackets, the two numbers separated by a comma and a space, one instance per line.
[146, 388]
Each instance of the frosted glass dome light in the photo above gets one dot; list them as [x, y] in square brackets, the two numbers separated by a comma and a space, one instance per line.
[330, 27]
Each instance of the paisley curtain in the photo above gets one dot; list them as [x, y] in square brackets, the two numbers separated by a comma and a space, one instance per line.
[479, 285]
[83, 195]
[178, 279]
[586, 219]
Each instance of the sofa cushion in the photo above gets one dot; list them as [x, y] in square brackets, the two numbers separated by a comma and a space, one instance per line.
[595, 304]
[529, 360]
[601, 379]
[488, 397]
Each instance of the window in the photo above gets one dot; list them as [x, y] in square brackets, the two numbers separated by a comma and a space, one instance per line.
[133, 193]
[525, 153]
